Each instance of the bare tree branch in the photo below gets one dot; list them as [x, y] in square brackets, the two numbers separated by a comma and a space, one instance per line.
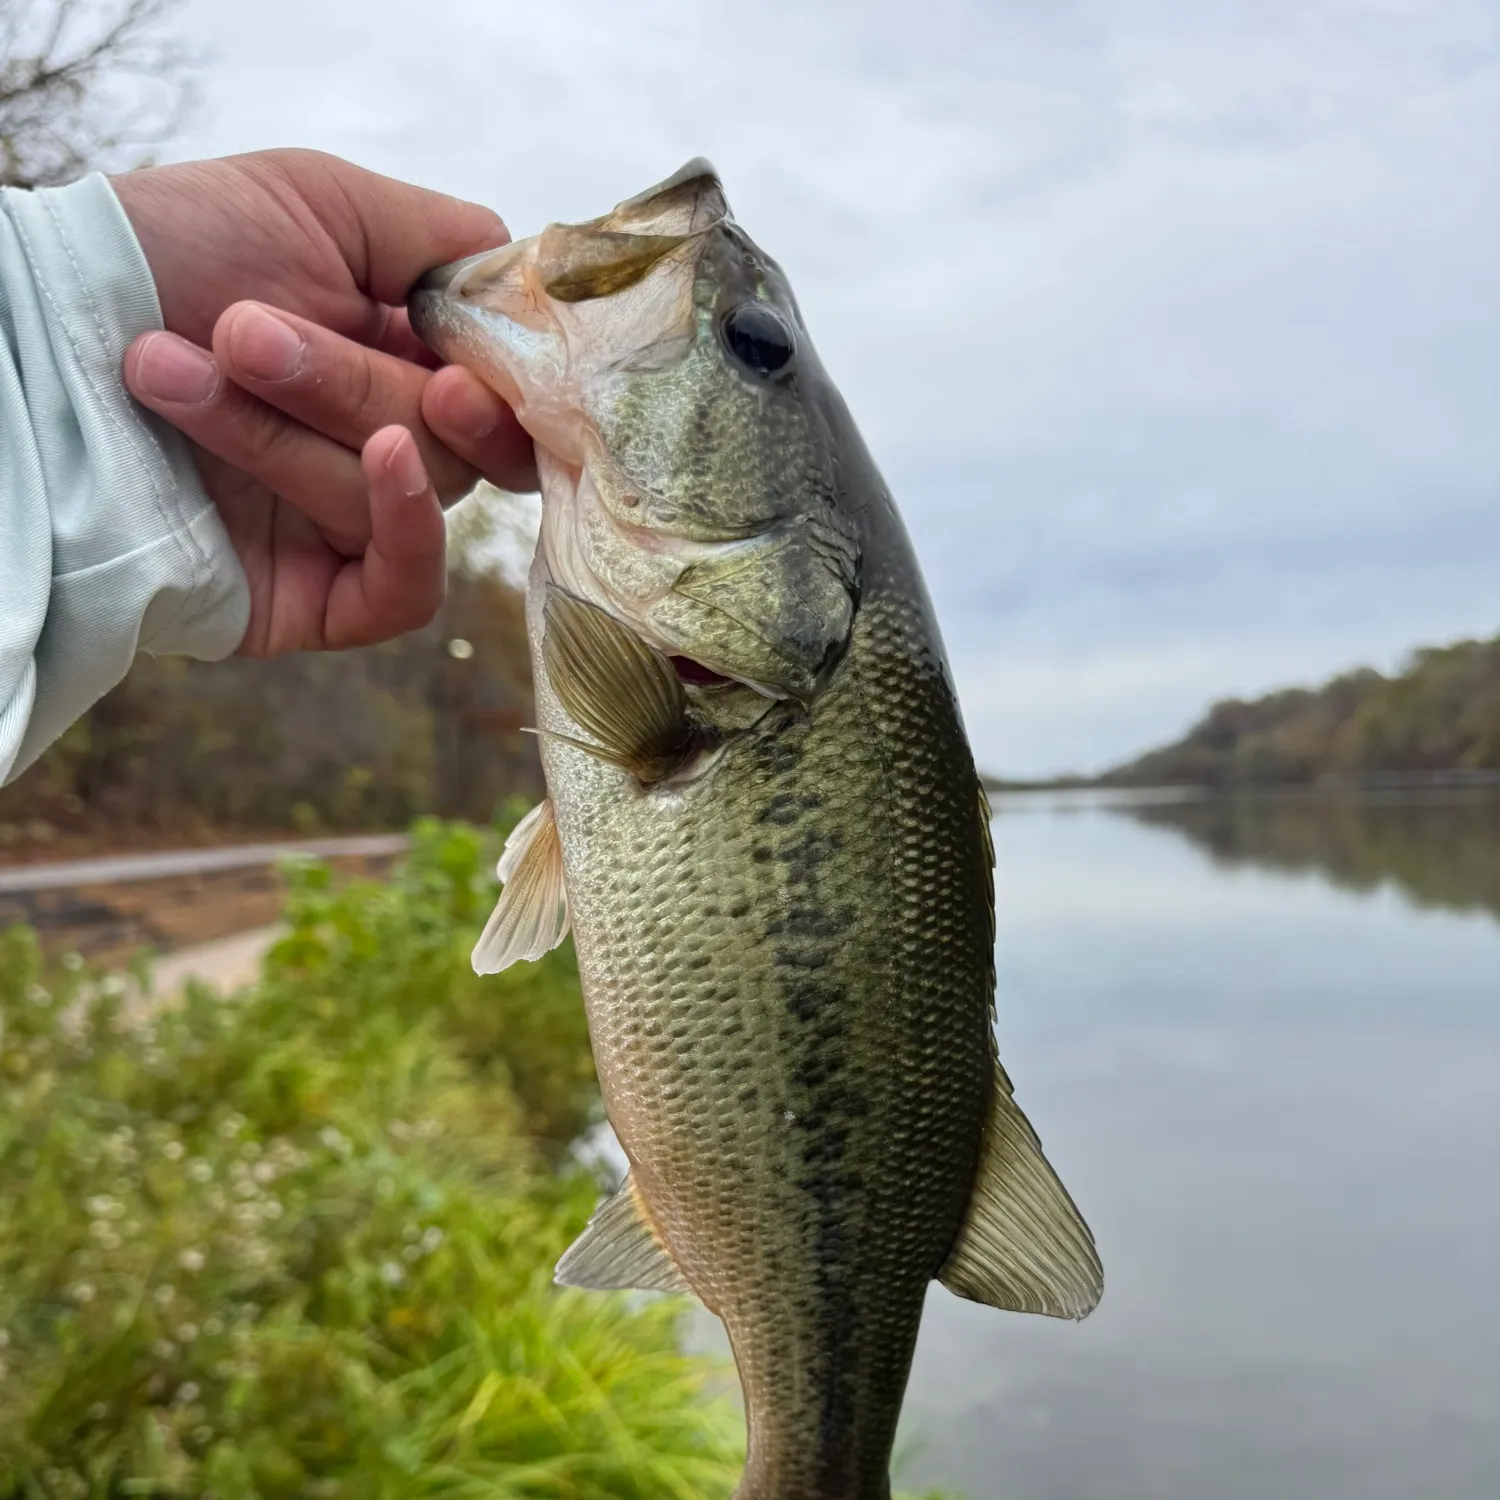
[86, 83]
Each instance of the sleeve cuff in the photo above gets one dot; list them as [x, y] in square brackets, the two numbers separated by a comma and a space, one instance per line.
[140, 557]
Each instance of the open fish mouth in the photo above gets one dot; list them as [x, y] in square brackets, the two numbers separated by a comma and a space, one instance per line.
[695, 674]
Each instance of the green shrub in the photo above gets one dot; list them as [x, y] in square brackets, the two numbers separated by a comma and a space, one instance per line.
[401, 950]
[298, 1242]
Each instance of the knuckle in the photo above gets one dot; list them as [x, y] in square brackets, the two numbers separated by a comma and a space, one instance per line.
[269, 439]
[411, 614]
[361, 389]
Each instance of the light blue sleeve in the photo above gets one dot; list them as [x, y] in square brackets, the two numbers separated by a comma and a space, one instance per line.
[108, 544]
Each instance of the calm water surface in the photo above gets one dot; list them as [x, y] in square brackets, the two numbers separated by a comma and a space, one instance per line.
[1262, 1045]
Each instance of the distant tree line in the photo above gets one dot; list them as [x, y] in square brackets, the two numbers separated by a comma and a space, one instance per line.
[1439, 714]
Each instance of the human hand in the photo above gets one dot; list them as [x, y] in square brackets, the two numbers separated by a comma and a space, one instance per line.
[320, 429]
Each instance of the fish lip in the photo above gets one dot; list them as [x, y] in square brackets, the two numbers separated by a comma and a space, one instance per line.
[441, 289]
[425, 303]
[434, 282]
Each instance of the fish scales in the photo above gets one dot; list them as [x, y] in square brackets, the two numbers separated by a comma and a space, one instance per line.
[801, 1086]
[765, 828]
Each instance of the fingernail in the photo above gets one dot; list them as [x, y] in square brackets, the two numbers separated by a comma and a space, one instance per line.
[168, 368]
[404, 464]
[265, 347]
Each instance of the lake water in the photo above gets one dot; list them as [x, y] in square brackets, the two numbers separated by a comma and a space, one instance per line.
[1262, 1045]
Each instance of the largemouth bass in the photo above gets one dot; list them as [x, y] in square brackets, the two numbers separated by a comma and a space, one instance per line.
[764, 826]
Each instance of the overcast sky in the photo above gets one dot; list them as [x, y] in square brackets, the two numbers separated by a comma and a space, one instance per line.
[1175, 327]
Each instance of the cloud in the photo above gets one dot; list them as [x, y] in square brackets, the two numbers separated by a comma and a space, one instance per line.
[1176, 329]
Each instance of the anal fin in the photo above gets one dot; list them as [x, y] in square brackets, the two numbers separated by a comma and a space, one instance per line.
[531, 917]
[619, 1250]
[1023, 1246]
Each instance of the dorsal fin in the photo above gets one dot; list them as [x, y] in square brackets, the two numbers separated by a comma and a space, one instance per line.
[689, 201]
[619, 1250]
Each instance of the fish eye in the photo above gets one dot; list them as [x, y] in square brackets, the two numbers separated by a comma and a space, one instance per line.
[758, 337]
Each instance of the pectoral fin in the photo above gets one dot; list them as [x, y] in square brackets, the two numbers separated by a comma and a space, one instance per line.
[531, 917]
[619, 1250]
[622, 692]
[1024, 1246]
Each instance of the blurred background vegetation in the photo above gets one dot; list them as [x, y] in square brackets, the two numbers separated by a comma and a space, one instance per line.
[299, 1242]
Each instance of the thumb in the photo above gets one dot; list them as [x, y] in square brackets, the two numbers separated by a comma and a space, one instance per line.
[390, 231]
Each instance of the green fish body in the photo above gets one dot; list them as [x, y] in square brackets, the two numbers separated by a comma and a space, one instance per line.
[766, 830]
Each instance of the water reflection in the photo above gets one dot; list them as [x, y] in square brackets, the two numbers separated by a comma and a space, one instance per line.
[1440, 848]
[1270, 1079]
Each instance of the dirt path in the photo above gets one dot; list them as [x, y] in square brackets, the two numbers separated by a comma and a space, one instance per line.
[171, 901]
[225, 964]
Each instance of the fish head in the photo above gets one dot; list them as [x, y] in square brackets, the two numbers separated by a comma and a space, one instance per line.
[690, 487]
